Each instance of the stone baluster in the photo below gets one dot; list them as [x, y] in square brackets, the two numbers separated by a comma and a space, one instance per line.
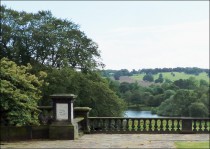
[110, 124]
[200, 126]
[139, 125]
[132, 125]
[104, 125]
[155, 125]
[127, 125]
[172, 125]
[194, 125]
[205, 125]
[144, 125]
[178, 125]
[115, 125]
[161, 125]
[167, 125]
[150, 124]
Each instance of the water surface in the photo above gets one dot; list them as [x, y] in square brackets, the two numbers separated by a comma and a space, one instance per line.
[140, 114]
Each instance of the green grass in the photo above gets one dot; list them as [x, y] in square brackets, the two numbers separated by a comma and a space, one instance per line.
[177, 76]
[192, 145]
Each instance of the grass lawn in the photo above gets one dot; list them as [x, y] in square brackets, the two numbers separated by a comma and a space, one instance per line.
[177, 76]
[192, 145]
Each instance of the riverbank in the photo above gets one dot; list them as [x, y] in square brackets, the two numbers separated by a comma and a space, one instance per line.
[140, 107]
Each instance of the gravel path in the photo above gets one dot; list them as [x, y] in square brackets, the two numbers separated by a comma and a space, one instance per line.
[111, 141]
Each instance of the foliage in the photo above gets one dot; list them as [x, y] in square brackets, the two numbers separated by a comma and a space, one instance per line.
[148, 77]
[190, 83]
[91, 90]
[68, 56]
[183, 103]
[122, 72]
[41, 39]
[114, 86]
[184, 97]
[172, 71]
[20, 92]
[198, 109]
[187, 70]
[160, 79]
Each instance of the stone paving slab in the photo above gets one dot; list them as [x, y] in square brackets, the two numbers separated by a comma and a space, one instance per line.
[111, 141]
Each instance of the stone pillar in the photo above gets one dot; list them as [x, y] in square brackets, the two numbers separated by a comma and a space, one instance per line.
[83, 112]
[186, 126]
[63, 127]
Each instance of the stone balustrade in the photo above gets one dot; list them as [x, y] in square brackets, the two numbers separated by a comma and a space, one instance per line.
[148, 125]
[133, 125]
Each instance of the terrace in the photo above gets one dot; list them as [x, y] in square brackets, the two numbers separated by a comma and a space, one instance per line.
[73, 128]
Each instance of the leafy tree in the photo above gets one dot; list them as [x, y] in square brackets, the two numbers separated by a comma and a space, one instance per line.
[156, 100]
[91, 90]
[190, 83]
[127, 97]
[198, 109]
[203, 83]
[160, 79]
[168, 108]
[135, 98]
[122, 72]
[178, 104]
[155, 90]
[114, 86]
[169, 93]
[20, 93]
[148, 77]
[41, 39]
[124, 86]
[169, 86]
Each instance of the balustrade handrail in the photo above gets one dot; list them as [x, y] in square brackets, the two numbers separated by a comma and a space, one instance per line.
[162, 118]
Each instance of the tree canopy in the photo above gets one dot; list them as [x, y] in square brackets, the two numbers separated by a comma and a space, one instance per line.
[20, 92]
[91, 90]
[40, 38]
[59, 48]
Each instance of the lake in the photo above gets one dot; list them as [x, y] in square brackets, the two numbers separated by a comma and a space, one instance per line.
[137, 113]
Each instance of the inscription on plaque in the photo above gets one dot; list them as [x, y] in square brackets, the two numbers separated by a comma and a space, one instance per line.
[61, 111]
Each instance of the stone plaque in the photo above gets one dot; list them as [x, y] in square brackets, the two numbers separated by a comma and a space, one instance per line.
[61, 111]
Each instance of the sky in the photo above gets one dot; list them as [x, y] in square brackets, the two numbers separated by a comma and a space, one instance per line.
[137, 34]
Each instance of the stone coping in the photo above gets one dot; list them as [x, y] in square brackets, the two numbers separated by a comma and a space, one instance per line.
[85, 109]
[62, 96]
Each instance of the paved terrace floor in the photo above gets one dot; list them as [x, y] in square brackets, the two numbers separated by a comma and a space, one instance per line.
[111, 141]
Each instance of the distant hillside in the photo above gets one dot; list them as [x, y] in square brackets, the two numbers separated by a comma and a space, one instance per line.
[137, 76]
[174, 76]
[133, 79]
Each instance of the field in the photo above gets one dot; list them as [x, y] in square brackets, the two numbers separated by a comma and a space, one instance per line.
[166, 75]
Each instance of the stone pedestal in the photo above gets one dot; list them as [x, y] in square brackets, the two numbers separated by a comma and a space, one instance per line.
[63, 126]
[84, 113]
[63, 131]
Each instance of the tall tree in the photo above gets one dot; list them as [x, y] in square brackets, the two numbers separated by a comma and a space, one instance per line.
[91, 90]
[40, 38]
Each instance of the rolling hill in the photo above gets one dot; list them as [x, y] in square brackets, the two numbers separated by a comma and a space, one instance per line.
[166, 75]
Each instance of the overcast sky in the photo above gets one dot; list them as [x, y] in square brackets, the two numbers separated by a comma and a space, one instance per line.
[138, 34]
